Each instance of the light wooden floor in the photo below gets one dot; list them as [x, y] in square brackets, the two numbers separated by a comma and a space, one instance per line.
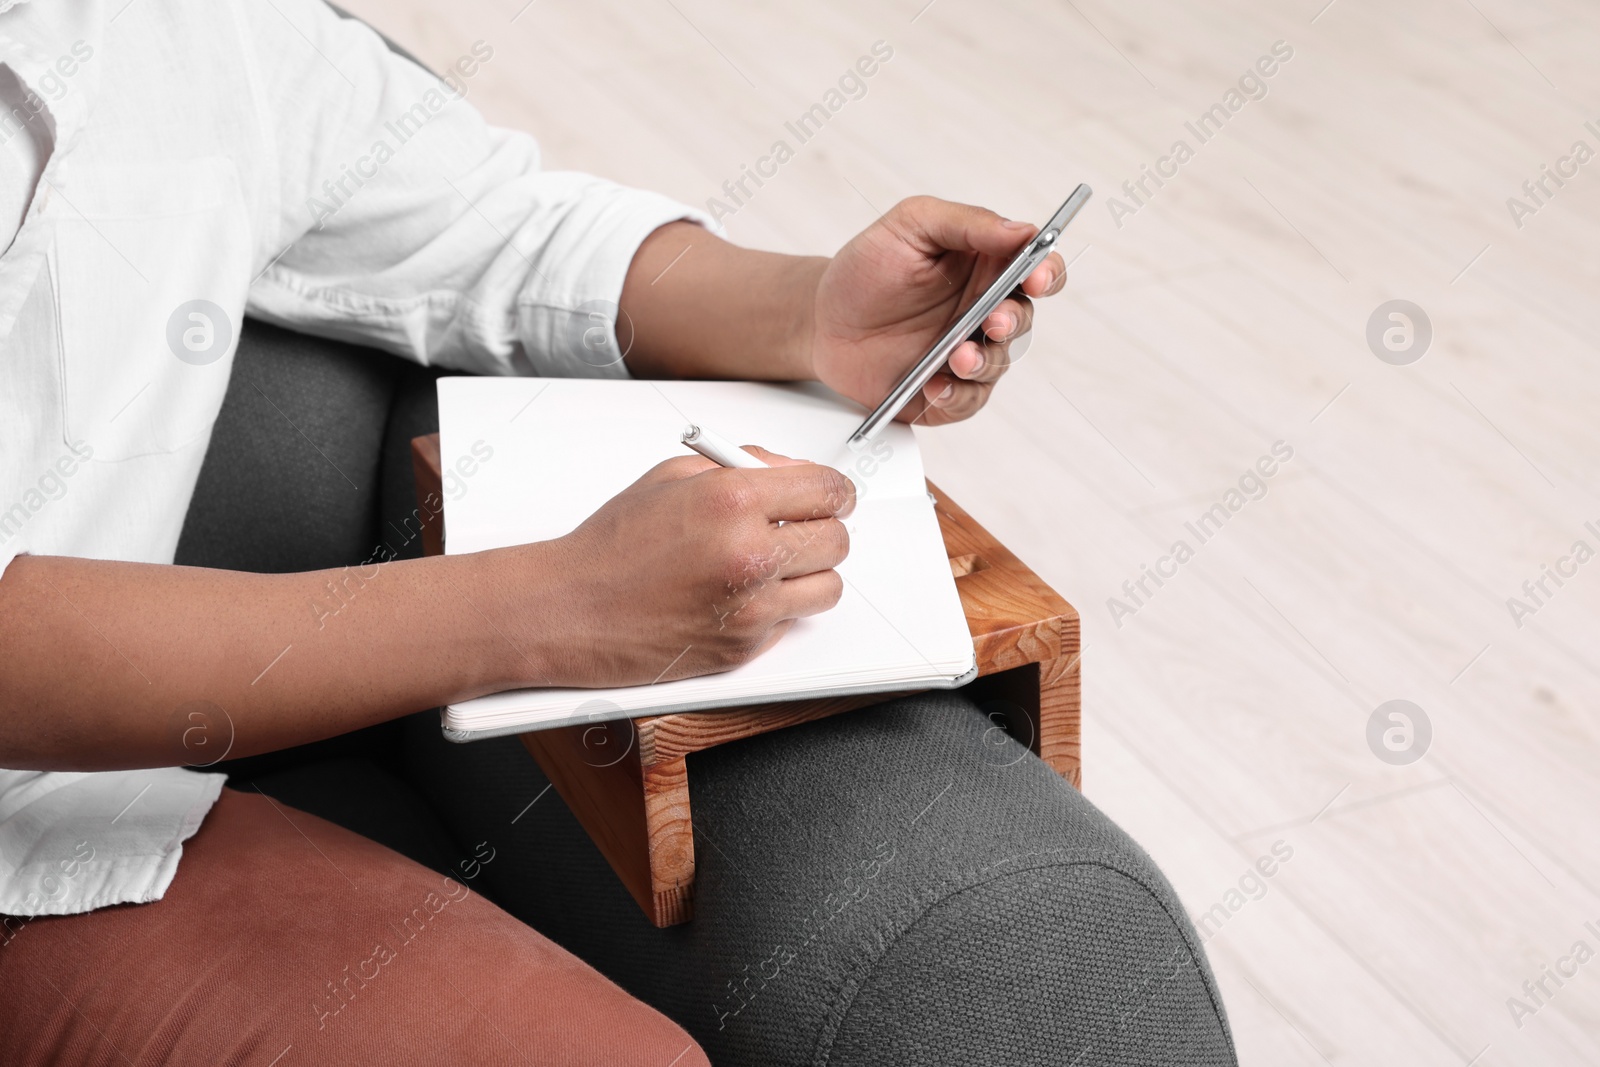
[1229, 713]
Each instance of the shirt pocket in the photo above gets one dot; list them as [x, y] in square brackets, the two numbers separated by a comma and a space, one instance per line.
[151, 264]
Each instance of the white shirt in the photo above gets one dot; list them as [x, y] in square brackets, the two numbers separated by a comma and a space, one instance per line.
[24, 144]
[210, 158]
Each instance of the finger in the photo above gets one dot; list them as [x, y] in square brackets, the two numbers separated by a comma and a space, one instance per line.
[947, 399]
[981, 363]
[987, 362]
[810, 594]
[1048, 278]
[991, 359]
[806, 547]
[773, 459]
[935, 226]
[967, 361]
[783, 494]
[1012, 318]
[964, 401]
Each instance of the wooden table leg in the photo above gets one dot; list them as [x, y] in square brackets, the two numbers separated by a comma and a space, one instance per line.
[671, 830]
[1061, 714]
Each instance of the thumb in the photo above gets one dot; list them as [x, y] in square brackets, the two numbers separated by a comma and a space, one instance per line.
[935, 226]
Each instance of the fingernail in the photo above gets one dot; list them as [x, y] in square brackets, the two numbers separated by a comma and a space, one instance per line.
[1013, 224]
[949, 391]
[1007, 324]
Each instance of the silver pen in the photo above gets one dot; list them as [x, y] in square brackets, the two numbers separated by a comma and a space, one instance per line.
[1022, 265]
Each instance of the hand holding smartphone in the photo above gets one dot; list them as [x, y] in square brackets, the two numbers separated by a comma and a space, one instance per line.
[1023, 264]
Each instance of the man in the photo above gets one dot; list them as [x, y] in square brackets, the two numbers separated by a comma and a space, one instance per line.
[173, 166]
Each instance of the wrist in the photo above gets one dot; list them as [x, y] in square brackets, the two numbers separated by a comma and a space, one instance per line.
[501, 645]
[800, 362]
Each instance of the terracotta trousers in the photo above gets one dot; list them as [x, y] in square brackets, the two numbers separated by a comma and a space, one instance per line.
[285, 940]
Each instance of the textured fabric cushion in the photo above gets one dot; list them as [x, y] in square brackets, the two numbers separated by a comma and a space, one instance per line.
[1077, 953]
[899, 885]
[290, 479]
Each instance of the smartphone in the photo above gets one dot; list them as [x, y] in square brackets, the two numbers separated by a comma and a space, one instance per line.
[1024, 263]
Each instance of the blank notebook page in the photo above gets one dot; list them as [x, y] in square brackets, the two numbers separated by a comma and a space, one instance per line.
[529, 459]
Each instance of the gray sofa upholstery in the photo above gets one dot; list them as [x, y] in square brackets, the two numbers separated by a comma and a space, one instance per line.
[899, 885]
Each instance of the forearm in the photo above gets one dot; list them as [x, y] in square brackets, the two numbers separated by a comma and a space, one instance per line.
[699, 307]
[99, 658]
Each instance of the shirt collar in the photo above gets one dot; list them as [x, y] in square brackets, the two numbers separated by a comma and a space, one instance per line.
[34, 38]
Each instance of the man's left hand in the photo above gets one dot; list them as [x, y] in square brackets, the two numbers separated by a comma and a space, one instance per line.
[898, 285]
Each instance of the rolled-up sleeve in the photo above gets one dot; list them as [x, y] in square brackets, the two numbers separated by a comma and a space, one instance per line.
[399, 218]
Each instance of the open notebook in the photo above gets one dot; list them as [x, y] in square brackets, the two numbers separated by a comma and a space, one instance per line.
[545, 453]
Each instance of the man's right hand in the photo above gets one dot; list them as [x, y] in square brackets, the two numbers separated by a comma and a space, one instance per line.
[691, 570]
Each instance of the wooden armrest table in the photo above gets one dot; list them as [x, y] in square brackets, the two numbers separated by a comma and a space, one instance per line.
[628, 781]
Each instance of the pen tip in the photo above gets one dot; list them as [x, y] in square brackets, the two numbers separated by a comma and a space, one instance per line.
[690, 432]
